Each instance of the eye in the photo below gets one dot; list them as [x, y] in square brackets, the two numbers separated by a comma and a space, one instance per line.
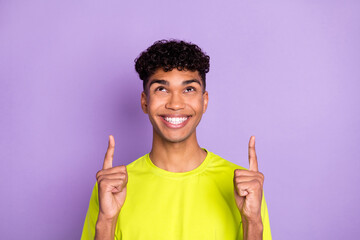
[160, 89]
[190, 89]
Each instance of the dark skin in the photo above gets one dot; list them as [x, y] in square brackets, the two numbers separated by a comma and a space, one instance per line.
[248, 188]
[175, 102]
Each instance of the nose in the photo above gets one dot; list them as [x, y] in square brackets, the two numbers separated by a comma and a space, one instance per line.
[175, 102]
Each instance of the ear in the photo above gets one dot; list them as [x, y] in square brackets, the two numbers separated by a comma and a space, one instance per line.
[206, 100]
[144, 102]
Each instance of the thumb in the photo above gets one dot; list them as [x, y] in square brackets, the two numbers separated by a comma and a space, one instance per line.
[109, 153]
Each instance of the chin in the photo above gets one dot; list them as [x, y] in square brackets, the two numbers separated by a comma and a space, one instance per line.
[175, 139]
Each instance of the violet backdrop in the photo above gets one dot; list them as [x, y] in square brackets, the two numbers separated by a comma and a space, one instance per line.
[285, 71]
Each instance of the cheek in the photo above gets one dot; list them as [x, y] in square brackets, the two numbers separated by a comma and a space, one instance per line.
[155, 104]
[196, 104]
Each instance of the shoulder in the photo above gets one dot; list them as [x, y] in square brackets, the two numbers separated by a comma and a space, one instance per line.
[215, 161]
[138, 165]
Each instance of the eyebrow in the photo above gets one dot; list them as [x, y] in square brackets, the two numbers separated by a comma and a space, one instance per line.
[187, 82]
[164, 82]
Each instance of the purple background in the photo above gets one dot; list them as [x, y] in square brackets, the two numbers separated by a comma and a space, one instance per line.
[286, 71]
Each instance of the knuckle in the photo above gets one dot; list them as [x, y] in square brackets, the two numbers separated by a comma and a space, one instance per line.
[120, 175]
[261, 181]
[98, 174]
[261, 175]
[118, 169]
[238, 179]
[100, 179]
[239, 172]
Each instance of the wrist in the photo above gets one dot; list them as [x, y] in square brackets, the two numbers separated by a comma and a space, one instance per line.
[254, 226]
[106, 219]
[252, 220]
[105, 227]
[252, 229]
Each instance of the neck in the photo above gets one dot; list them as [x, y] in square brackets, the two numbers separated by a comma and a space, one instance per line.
[181, 156]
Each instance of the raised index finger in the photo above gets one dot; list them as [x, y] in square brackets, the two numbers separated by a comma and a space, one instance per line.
[252, 155]
[109, 153]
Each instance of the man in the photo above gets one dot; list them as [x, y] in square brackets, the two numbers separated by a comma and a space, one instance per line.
[179, 190]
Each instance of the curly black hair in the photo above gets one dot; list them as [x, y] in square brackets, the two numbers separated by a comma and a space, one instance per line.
[170, 54]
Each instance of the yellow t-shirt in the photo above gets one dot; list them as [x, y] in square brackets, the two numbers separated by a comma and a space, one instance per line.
[162, 205]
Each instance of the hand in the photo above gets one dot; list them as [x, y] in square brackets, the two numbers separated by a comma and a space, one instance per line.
[111, 185]
[248, 187]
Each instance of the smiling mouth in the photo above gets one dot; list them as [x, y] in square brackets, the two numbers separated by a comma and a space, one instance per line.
[175, 120]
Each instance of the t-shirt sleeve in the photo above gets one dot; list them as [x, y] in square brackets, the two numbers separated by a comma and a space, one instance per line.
[91, 216]
[265, 220]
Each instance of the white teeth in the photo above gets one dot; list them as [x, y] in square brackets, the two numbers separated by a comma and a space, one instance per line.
[175, 120]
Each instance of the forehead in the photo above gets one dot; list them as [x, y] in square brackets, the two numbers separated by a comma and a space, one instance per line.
[175, 76]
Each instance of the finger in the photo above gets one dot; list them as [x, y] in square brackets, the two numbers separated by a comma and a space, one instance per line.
[117, 169]
[253, 164]
[112, 185]
[240, 192]
[250, 186]
[248, 179]
[112, 176]
[243, 188]
[109, 153]
[244, 172]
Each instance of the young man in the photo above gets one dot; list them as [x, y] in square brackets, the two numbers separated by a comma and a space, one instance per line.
[179, 190]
